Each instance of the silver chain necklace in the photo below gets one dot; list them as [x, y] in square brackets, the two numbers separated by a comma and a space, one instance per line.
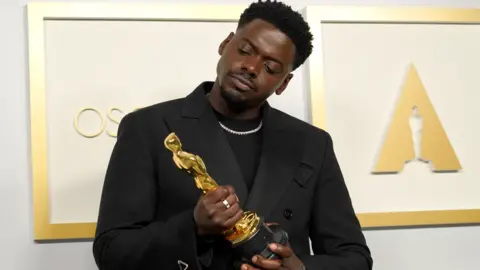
[241, 132]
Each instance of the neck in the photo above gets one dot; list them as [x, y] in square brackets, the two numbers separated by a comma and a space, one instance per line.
[221, 105]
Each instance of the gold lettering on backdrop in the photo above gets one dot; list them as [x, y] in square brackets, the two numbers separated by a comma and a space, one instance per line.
[114, 120]
[113, 115]
[415, 133]
[84, 134]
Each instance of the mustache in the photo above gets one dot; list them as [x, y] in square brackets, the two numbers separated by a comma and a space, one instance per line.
[243, 76]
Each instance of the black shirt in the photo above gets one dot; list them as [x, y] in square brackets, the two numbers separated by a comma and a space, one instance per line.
[247, 148]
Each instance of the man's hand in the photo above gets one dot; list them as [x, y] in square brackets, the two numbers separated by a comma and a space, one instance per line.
[289, 260]
[212, 216]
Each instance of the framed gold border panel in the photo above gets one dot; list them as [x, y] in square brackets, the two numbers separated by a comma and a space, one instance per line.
[316, 16]
[37, 13]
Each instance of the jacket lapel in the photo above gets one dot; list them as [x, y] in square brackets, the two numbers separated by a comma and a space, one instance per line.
[279, 162]
[200, 134]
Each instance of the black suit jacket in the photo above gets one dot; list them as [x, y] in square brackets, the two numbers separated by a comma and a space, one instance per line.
[146, 211]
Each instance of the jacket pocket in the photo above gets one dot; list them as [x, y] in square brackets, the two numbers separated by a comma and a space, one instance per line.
[304, 174]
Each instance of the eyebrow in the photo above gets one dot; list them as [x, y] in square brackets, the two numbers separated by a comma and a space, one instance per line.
[256, 49]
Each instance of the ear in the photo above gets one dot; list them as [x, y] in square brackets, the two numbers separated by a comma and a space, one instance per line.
[284, 84]
[224, 43]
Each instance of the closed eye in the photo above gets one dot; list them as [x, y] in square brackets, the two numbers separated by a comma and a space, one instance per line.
[242, 52]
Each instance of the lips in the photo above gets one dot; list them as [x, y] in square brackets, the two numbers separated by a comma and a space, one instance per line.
[241, 83]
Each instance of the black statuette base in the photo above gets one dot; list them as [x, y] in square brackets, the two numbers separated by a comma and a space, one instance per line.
[258, 243]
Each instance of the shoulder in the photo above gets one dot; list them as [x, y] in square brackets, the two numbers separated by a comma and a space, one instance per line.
[150, 119]
[314, 143]
[154, 113]
[157, 110]
[310, 133]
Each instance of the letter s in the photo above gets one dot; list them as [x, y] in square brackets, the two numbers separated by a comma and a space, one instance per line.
[114, 120]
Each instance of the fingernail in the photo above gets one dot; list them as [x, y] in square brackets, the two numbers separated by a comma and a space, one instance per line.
[254, 259]
[273, 246]
[244, 267]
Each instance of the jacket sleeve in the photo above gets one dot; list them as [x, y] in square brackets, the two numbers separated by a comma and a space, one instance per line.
[128, 235]
[336, 235]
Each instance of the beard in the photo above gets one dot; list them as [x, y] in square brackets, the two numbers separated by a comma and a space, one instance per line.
[234, 100]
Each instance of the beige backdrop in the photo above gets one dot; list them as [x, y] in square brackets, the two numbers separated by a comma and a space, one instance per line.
[442, 248]
[366, 66]
[96, 71]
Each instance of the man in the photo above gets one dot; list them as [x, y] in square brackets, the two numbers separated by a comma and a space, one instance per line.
[153, 216]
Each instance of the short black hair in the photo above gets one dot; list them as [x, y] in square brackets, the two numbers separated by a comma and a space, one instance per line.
[286, 20]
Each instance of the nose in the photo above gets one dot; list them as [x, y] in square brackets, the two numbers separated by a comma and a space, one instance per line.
[252, 65]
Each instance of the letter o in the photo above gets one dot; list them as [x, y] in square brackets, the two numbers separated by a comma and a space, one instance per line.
[92, 135]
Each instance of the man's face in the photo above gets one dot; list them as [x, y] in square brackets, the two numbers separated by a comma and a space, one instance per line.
[255, 63]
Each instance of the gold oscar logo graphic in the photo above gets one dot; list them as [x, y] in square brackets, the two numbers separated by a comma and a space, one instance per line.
[415, 133]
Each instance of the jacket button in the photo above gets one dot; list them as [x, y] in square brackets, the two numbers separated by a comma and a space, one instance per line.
[287, 213]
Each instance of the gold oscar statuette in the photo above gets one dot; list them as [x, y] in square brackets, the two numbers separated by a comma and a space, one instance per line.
[248, 225]
[250, 235]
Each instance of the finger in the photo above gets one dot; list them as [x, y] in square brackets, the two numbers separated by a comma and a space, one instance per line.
[216, 195]
[263, 263]
[282, 251]
[248, 267]
[231, 200]
[219, 211]
[230, 212]
[220, 216]
[230, 222]
[228, 218]
[230, 189]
